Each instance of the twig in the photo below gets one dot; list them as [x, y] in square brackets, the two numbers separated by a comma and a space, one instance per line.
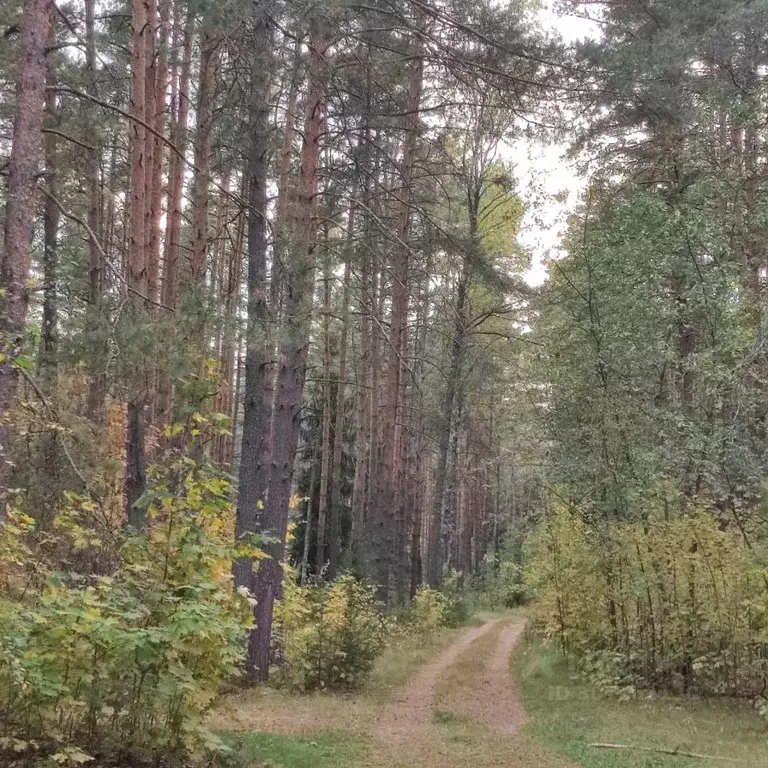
[674, 752]
[52, 410]
[147, 127]
[95, 240]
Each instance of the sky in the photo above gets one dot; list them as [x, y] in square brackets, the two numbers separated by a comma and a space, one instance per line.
[547, 180]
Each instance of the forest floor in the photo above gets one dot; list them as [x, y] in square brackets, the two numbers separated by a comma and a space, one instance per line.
[456, 701]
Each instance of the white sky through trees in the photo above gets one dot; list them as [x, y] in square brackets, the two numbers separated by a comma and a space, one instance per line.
[548, 181]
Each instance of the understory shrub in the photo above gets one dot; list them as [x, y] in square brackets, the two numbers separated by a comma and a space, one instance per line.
[678, 604]
[432, 609]
[125, 664]
[328, 634]
[502, 582]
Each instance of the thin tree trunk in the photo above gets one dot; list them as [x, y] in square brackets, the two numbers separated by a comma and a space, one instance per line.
[363, 368]
[202, 175]
[176, 168]
[389, 496]
[51, 218]
[176, 172]
[338, 432]
[136, 266]
[157, 120]
[325, 469]
[150, 143]
[97, 384]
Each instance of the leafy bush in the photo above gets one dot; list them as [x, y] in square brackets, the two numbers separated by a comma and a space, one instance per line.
[428, 610]
[502, 582]
[457, 597]
[431, 609]
[126, 664]
[328, 635]
[673, 603]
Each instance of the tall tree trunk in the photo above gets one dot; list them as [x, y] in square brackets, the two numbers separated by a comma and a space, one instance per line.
[156, 119]
[284, 181]
[294, 347]
[334, 529]
[254, 472]
[389, 498]
[97, 384]
[419, 494]
[136, 262]
[364, 398]
[51, 218]
[325, 469]
[448, 436]
[150, 108]
[22, 183]
[176, 169]
[136, 256]
[209, 44]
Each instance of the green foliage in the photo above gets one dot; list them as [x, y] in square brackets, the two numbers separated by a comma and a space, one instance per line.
[126, 663]
[502, 582]
[328, 635]
[432, 609]
[323, 750]
[677, 603]
[428, 610]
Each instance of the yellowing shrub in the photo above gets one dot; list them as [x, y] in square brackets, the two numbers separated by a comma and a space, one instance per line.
[328, 636]
[678, 603]
[125, 664]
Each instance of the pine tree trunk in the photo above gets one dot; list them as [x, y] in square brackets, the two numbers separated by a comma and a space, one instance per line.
[180, 105]
[389, 498]
[325, 467]
[97, 384]
[334, 531]
[51, 218]
[23, 167]
[294, 347]
[136, 265]
[254, 472]
[157, 121]
[201, 182]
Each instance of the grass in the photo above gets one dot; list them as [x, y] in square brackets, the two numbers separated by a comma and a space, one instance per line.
[324, 750]
[567, 713]
[265, 709]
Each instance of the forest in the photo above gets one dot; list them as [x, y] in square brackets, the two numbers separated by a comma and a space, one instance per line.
[302, 359]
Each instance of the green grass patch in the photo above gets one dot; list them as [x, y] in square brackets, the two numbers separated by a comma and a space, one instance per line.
[273, 750]
[568, 713]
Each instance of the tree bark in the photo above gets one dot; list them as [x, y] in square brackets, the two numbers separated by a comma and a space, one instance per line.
[294, 347]
[23, 166]
[51, 218]
[254, 472]
[390, 491]
[97, 384]
[334, 529]
[325, 469]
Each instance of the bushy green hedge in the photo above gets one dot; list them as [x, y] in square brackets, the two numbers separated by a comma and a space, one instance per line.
[125, 664]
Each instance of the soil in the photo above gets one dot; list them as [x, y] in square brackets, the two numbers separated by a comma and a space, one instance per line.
[407, 725]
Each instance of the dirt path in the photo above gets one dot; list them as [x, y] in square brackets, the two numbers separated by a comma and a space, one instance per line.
[498, 706]
[407, 726]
